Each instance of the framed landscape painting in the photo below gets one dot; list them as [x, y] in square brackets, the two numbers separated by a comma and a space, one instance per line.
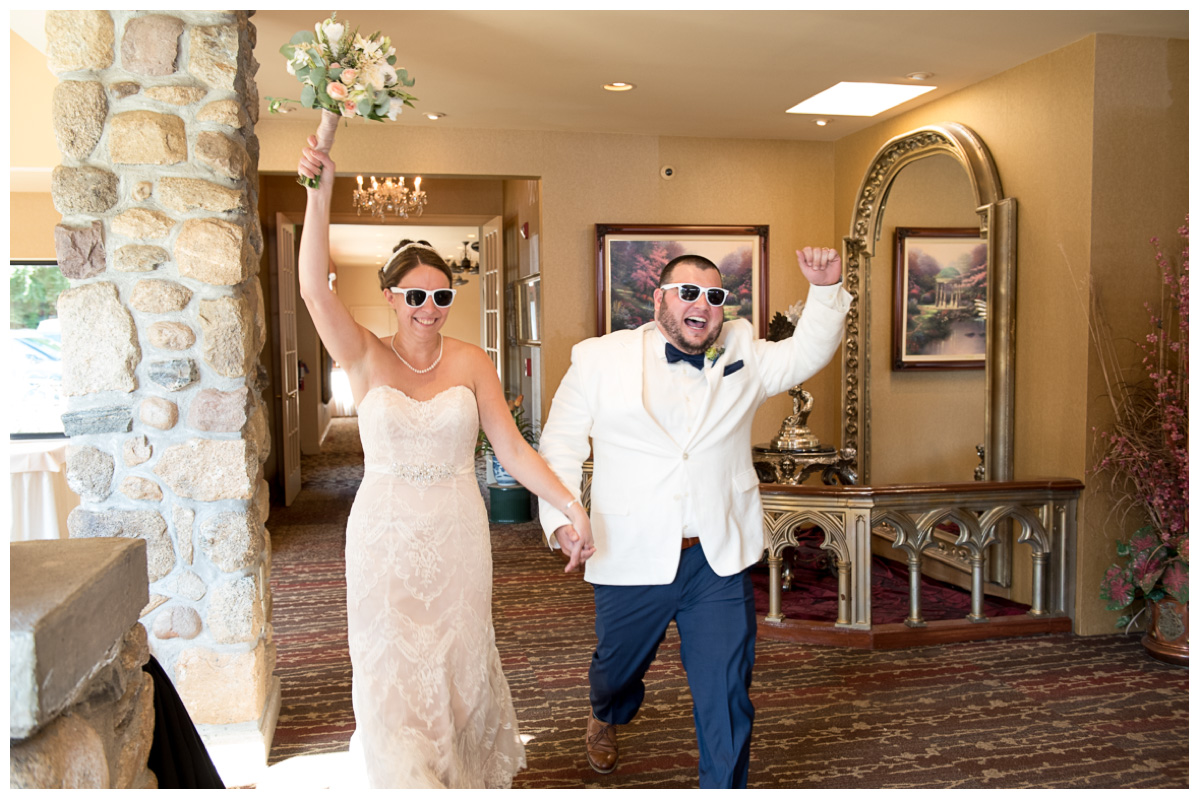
[939, 320]
[629, 259]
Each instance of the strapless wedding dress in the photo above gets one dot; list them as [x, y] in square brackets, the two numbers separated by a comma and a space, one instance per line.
[431, 705]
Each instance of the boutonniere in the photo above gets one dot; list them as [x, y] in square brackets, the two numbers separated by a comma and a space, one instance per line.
[713, 353]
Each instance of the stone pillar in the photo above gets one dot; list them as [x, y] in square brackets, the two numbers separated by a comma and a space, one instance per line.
[81, 710]
[162, 328]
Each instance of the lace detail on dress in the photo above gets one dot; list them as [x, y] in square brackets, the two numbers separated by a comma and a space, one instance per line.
[431, 704]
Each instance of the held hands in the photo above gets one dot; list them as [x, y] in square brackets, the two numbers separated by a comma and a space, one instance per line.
[313, 163]
[575, 539]
[821, 265]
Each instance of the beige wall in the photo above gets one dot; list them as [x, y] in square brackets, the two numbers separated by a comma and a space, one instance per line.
[32, 146]
[1140, 181]
[585, 178]
[31, 84]
[784, 185]
[1036, 121]
[31, 221]
[522, 207]
[924, 424]
[592, 178]
[1092, 142]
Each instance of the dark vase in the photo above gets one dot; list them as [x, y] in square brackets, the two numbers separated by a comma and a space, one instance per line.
[1167, 637]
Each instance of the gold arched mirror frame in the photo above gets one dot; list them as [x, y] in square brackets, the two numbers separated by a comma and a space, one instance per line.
[997, 222]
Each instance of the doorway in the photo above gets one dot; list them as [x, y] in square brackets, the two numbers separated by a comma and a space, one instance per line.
[492, 211]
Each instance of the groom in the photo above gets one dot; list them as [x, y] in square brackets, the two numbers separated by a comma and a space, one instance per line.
[676, 514]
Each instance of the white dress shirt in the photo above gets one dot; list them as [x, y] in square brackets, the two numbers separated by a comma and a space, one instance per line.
[672, 394]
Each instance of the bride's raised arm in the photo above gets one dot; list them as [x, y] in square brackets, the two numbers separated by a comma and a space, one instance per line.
[345, 339]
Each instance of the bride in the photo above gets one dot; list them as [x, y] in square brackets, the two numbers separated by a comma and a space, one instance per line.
[431, 705]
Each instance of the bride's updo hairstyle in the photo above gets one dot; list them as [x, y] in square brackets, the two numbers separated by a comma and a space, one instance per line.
[407, 256]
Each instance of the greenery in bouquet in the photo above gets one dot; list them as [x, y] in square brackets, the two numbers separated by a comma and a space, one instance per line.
[1145, 454]
[345, 73]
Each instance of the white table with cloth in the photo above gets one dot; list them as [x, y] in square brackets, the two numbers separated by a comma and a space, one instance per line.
[40, 499]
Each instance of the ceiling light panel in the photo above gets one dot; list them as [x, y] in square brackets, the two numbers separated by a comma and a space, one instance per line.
[849, 99]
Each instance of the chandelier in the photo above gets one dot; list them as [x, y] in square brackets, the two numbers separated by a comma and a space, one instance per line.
[466, 266]
[389, 196]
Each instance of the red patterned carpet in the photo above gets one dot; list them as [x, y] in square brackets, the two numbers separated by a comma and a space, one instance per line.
[1049, 711]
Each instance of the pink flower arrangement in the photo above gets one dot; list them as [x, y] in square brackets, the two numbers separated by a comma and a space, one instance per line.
[1145, 454]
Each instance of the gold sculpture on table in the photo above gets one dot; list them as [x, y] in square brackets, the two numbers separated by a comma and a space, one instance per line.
[794, 433]
[796, 452]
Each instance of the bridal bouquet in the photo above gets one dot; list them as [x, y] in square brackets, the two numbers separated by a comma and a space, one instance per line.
[345, 75]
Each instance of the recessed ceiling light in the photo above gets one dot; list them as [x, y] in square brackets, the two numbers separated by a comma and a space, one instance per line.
[435, 115]
[849, 99]
[919, 76]
[821, 122]
[619, 86]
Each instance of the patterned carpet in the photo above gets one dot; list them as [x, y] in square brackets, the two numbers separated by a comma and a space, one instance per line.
[1050, 711]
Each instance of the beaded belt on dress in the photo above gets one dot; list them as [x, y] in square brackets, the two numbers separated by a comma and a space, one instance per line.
[420, 474]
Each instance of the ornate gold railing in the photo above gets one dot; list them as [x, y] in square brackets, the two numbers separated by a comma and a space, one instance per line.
[1042, 512]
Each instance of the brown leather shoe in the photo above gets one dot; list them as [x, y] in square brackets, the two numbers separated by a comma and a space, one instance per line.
[601, 745]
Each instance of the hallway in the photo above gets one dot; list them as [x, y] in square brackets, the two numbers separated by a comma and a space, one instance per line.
[1051, 711]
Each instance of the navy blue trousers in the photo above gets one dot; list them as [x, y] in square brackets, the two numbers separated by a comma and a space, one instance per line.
[717, 628]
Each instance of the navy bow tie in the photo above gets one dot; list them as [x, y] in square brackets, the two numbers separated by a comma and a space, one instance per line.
[675, 354]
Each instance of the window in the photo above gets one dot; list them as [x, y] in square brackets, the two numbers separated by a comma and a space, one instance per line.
[35, 349]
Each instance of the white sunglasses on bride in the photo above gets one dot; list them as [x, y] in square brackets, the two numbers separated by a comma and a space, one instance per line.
[415, 298]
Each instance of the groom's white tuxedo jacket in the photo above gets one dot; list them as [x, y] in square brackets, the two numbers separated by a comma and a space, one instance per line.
[643, 477]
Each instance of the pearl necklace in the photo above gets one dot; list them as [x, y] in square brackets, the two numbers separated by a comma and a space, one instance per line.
[441, 342]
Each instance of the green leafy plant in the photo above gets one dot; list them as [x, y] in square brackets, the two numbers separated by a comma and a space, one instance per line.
[524, 426]
[32, 292]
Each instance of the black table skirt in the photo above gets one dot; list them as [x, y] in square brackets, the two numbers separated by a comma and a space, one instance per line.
[177, 756]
